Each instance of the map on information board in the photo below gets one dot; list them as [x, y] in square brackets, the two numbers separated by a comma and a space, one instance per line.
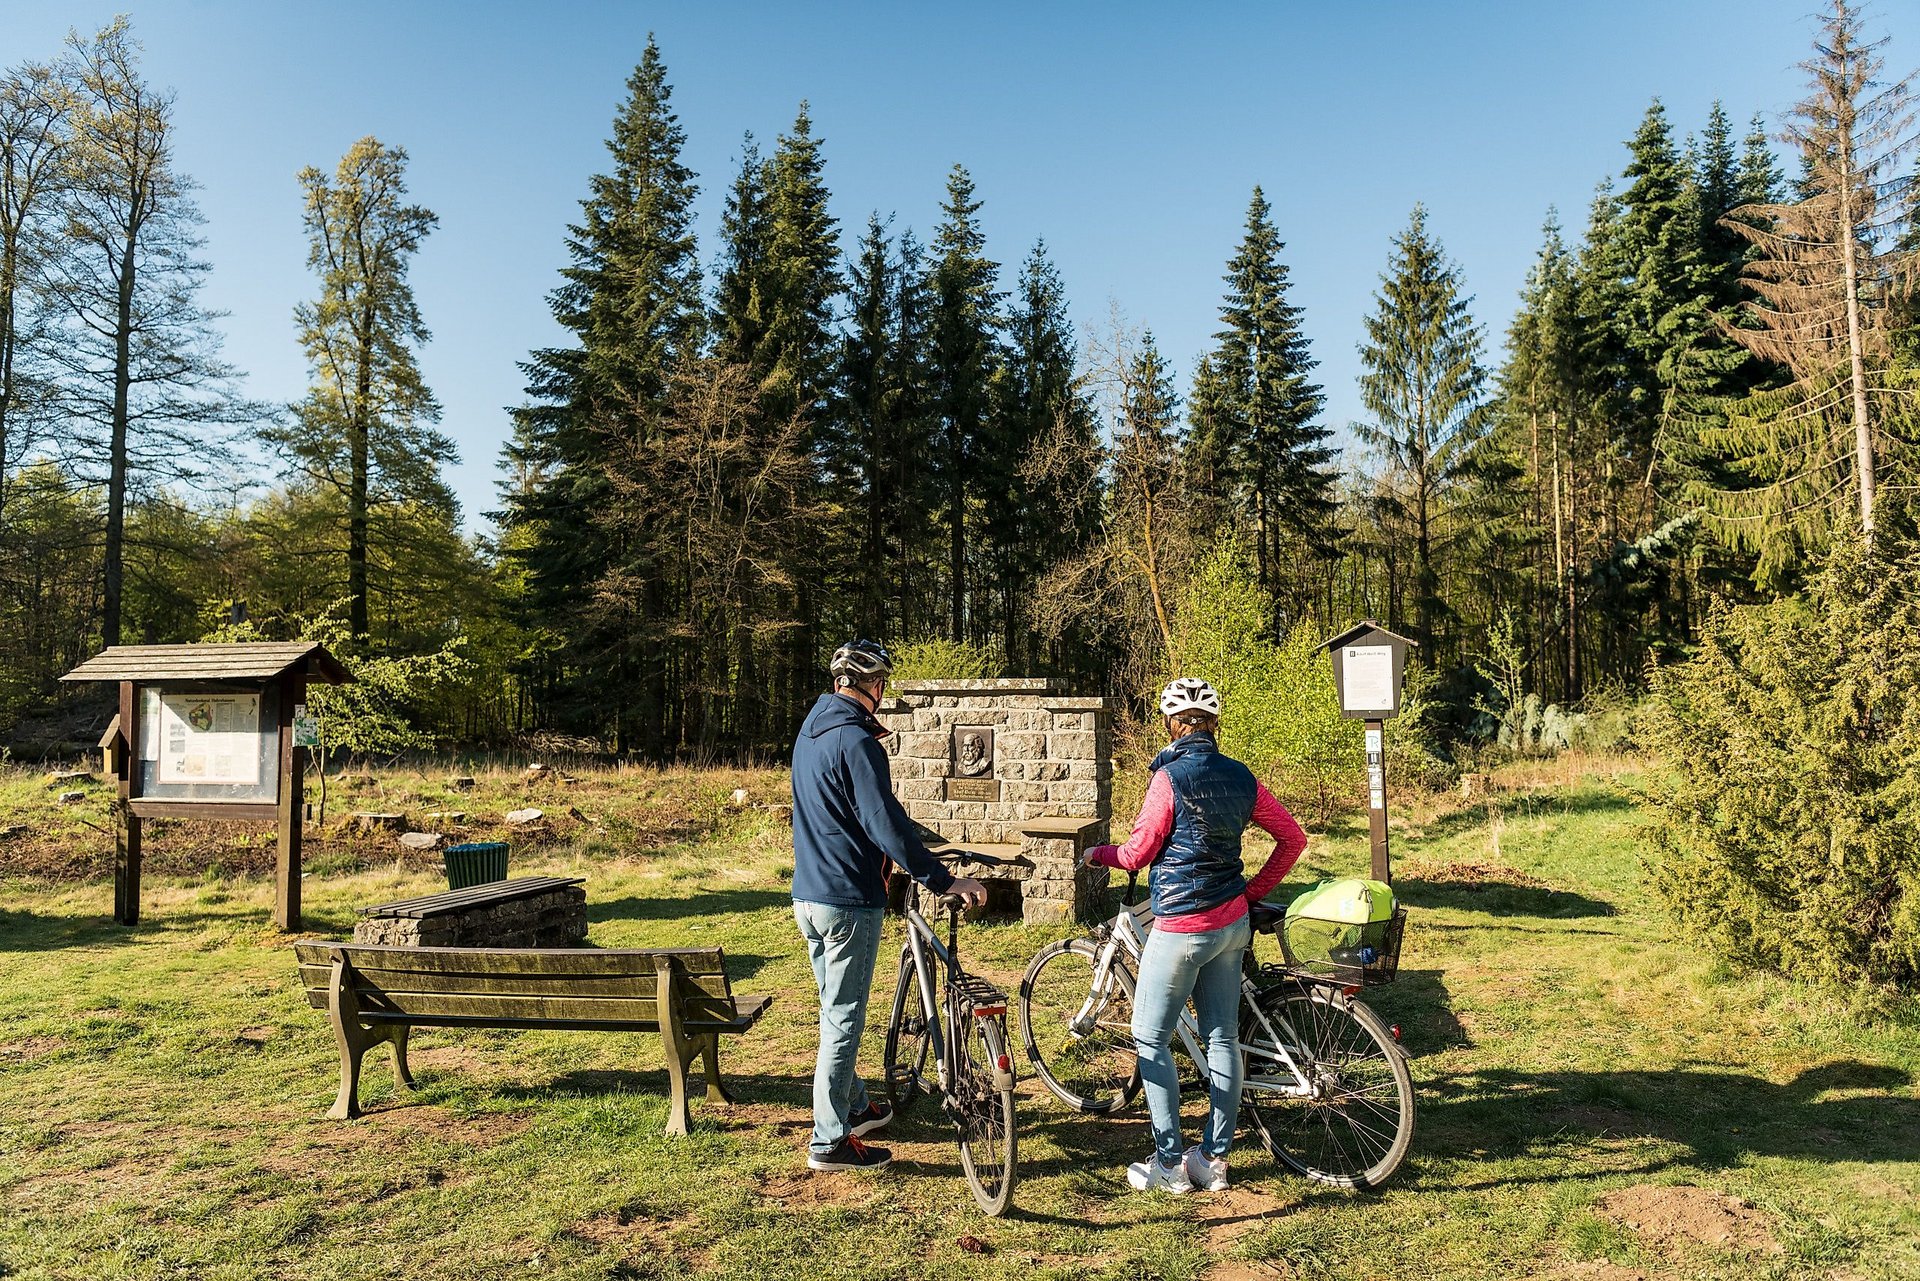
[209, 738]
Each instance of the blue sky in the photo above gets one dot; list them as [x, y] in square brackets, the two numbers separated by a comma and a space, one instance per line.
[1128, 135]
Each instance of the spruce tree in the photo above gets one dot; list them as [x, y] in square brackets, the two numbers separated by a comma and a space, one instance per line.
[964, 327]
[1809, 452]
[1276, 452]
[802, 275]
[740, 281]
[1029, 520]
[1425, 388]
[630, 299]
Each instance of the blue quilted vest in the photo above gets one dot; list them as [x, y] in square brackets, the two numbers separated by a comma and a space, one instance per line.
[1213, 798]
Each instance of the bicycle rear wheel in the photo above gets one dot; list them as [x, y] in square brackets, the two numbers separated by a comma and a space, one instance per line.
[1093, 1069]
[909, 1050]
[983, 1113]
[1355, 1128]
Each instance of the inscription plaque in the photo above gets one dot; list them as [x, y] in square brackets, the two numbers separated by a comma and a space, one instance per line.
[973, 789]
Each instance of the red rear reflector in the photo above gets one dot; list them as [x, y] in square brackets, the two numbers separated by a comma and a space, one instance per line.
[1351, 991]
[988, 1011]
[1395, 1029]
[1003, 1064]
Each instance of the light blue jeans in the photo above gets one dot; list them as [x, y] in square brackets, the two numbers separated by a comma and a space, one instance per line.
[842, 943]
[1205, 967]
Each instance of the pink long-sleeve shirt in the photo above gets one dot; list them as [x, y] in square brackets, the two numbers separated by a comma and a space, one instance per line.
[1155, 825]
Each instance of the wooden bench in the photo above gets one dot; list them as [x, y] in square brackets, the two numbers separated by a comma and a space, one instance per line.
[376, 994]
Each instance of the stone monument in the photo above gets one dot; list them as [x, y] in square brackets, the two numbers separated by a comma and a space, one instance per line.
[1012, 767]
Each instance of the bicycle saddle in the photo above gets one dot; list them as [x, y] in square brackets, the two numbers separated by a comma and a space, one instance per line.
[1266, 916]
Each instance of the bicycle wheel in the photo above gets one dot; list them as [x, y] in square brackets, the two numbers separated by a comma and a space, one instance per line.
[909, 1050]
[983, 1113]
[1093, 1069]
[1356, 1126]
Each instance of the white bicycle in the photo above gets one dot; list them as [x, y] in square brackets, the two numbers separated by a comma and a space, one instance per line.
[1326, 1084]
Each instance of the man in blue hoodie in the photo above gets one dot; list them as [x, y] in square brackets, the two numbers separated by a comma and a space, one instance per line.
[846, 825]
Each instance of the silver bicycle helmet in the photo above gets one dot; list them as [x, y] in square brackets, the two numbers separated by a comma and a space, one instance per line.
[860, 660]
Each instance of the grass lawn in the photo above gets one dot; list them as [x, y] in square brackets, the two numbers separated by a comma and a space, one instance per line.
[1597, 1098]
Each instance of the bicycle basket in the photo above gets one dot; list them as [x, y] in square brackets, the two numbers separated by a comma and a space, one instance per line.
[1356, 954]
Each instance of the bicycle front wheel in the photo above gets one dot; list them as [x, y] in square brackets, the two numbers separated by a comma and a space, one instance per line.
[1355, 1125]
[908, 1058]
[1081, 1050]
[983, 1113]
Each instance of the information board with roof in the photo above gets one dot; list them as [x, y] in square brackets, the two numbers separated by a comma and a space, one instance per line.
[206, 732]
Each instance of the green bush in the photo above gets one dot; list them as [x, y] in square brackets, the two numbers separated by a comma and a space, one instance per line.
[1790, 810]
[1280, 712]
[946, 660]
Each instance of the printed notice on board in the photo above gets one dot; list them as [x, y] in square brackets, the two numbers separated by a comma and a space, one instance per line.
[209, 738]
[1368, 686]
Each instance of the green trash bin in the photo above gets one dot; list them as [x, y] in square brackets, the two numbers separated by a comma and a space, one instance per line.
[476, 863]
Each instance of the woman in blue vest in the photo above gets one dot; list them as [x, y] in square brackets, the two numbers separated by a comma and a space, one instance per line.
[1188, 834]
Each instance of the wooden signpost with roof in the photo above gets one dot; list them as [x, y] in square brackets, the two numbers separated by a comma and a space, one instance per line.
[207, 732]
[1369, 663]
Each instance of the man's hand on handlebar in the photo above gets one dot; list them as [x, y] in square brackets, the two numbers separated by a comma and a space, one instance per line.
[970, 892]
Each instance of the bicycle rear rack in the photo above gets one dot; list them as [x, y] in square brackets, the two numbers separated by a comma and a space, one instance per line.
[983, 1000]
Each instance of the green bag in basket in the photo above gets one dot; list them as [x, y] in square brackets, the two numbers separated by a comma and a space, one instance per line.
[1331, 914]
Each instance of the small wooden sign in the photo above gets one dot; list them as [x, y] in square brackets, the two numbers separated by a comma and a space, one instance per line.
[973, 789]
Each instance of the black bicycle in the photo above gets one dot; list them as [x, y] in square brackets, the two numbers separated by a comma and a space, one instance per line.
[952, 1037]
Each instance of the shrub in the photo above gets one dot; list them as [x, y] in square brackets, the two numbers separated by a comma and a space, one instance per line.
[1281, 715]
[946, 660]
[1790, 808]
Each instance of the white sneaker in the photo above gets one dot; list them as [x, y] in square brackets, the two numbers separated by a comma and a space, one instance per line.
[1208, 1174]
[1149, 1175]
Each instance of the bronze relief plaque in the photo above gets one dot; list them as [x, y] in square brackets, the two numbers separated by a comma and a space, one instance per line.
[972, 756]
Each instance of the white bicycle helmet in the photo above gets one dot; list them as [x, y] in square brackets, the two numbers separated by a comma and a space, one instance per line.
[1189, 694]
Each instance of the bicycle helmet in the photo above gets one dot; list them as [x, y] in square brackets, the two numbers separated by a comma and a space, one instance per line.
[860, 660]
[1189, 694]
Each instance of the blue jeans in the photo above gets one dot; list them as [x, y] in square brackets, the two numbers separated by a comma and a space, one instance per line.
[842, 943]
[1205, 967]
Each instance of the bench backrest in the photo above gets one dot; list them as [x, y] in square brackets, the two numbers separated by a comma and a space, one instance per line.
[520, 987]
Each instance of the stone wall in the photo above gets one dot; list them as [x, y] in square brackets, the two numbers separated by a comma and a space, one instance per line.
[557, 918]
[1013, 767]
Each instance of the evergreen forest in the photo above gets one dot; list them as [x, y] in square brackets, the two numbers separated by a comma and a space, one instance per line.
[823, 423]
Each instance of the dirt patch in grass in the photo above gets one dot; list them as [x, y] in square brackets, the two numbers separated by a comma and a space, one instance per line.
[1682, 1213]
[1471, 871]
[1227, 1216]
[1601, 1270]
[816, 1188]
[30, 1048]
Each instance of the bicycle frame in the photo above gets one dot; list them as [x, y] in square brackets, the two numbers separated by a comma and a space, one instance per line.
[1125, 935]
[924, 946]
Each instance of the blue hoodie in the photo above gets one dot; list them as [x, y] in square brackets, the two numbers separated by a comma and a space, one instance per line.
[846, 822]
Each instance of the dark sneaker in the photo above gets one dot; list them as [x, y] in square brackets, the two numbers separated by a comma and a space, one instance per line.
[875, 1116]
[851, 1154]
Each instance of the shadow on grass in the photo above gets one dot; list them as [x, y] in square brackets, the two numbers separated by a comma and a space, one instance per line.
[677, 906]
[22, 931]
[1587, 1123]
[1418, 1003]
[1500, 898]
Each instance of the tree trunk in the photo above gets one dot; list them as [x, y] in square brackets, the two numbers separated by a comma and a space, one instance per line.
[117, 462]
[359, 429]
[1856, 342]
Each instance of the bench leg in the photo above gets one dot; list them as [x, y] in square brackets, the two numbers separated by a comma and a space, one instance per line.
[352, 1049]
[397, 1050]
[710, 1065]
[679, 1114]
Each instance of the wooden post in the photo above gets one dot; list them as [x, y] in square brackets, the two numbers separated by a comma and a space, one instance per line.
[286, 857]
[126, 830]
[1377, 799]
